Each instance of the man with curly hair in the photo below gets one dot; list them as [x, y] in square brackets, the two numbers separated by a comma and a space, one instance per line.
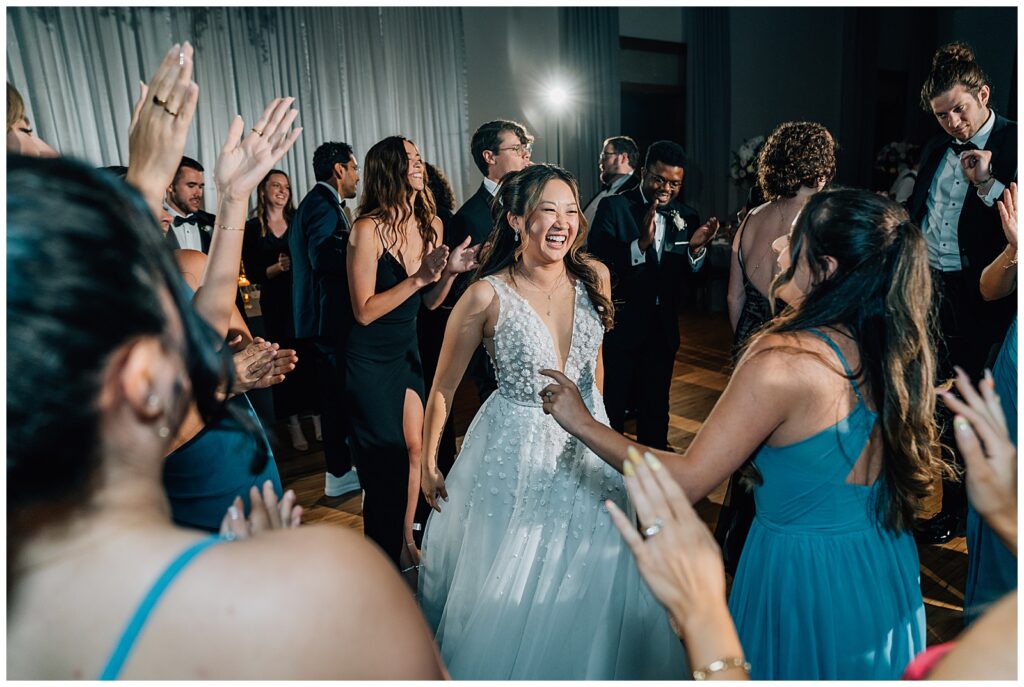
[964, 170]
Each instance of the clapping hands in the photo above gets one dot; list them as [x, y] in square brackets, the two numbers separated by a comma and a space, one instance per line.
[432, 266]
[463, 257]
[262, 364]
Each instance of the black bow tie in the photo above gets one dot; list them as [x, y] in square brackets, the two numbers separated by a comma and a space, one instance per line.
[959, 148]
[188, 219]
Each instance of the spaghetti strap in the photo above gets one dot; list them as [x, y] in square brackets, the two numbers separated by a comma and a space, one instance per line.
[739, 247]
[842, 359]
[149, 602]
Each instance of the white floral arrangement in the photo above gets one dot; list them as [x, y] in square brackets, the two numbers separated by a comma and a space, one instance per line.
[895, 156]
[743, 169]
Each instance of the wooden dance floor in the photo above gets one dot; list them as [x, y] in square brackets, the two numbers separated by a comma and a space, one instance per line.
[701, 373]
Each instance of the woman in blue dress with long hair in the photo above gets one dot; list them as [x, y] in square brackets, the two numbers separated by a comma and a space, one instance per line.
[835, 400]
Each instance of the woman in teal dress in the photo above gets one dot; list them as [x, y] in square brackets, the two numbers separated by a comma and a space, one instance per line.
[835, 401]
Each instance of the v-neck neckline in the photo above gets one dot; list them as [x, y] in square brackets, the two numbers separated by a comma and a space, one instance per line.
[551, 335]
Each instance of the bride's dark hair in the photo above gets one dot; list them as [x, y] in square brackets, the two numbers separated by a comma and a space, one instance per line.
[881, 293]
[520, 194]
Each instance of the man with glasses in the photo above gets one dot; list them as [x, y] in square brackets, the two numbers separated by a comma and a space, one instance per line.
[650, 241]
[498, 147]
[618, 161]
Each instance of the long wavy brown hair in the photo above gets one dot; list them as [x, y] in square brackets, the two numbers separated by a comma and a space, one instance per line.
[881, 293]
[261, 202]
[520, 194]
[386, 194]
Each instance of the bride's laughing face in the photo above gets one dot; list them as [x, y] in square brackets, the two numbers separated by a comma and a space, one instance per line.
[553, 225]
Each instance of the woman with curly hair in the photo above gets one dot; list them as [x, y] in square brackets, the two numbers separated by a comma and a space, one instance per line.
[797, 161]
[396, 260]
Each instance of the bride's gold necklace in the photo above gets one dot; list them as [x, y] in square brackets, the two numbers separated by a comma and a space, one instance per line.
[550, 293]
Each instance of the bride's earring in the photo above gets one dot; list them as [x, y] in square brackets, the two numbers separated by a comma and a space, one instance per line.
[515, 235]
[154, 406]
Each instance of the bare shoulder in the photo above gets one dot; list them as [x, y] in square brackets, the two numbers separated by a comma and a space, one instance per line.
[191, 264]
[479, 296]
[318, 602]
[781, 359]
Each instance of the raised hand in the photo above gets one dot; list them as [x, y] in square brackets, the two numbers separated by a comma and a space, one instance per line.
[679, 560]
[433, 266]
[265, 513]
[1007, 207]
[159, 126]
[991, 462]
[463, 257]
[704, 234]
[432, 484]
[243, 162]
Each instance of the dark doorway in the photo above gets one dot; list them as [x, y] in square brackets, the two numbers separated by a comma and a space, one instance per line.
[653, 91]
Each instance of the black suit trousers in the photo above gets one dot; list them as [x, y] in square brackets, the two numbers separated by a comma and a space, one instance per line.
[334, 415]
[647, 370]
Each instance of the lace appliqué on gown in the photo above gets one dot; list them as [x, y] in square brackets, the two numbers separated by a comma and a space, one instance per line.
[524, 575]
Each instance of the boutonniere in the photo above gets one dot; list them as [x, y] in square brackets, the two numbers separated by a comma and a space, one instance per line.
[678, 220]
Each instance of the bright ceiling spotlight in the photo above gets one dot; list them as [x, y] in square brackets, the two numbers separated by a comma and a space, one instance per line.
[557, 95]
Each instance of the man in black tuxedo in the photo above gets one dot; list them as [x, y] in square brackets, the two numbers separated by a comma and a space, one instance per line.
[617, 164]
[317, 237]
[650, 242]
[191, 227]
[498, 147]
[963, 171]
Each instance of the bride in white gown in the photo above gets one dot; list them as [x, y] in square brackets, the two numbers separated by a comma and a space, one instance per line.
[523, 575]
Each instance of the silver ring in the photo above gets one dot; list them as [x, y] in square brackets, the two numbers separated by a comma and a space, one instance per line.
[548, 395]
[229, 536]
[654, 528]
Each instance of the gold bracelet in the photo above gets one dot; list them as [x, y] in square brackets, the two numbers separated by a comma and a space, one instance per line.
[227, 228]
[720, 665]
[1012, 261]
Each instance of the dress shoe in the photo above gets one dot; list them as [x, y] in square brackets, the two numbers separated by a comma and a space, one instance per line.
[339, 486]
[940, 529]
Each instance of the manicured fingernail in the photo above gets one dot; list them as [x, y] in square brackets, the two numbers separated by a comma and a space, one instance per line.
[652, 461]
[627, 468]
[233, 513]
[633, 454]
[960, 424]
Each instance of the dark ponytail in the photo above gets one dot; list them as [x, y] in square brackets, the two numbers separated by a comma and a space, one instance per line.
[952, 65]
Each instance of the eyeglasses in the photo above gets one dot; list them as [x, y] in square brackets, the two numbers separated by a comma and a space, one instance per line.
[521, 150]
[662, 181]
[607, 154]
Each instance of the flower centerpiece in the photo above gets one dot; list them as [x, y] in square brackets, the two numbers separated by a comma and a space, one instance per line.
[743, 169]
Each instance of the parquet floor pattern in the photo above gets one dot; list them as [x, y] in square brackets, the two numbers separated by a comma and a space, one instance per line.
[700, 375]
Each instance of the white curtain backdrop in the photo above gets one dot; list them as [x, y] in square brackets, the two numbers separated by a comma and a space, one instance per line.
[358, 75]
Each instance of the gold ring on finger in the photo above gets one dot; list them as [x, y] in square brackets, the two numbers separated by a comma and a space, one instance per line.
[159, 102]
[173, 114]
[258, 132]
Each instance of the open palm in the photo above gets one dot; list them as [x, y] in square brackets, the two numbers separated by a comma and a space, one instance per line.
[243, 162]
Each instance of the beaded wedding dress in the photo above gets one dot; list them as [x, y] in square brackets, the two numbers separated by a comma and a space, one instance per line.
[523, 574]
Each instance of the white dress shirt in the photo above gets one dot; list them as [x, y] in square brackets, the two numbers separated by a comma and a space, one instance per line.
[187, 233]
[591, 209]
[491, 186]
[946, 197]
